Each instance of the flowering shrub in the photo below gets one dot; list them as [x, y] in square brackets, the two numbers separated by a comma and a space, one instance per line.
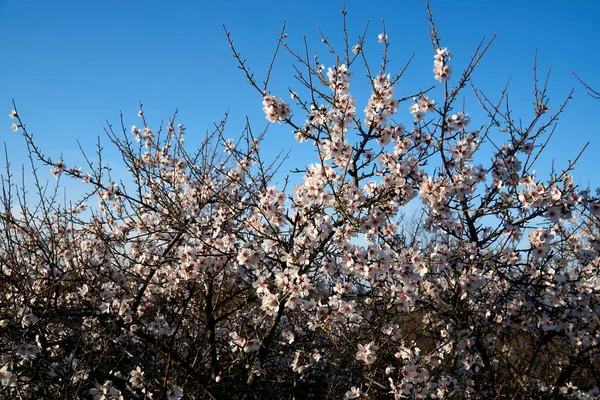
[206, 279]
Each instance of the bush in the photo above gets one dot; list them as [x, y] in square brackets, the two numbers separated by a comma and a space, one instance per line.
[204, 279]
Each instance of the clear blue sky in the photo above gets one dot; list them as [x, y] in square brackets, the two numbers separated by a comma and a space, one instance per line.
[72, 64]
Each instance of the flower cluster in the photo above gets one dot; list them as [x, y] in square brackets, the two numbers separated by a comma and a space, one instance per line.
[106, 391]
[421, 106]
[381, 104]
[441, 68]
[275, 109]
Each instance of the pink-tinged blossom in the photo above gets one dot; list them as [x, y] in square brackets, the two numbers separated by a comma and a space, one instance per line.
[546, 324]
[28, 351]
[367, 353]
[136, 133]
[251, 345]
[339, 82]
[28, 318]
[458, 121]
[299, 363]
[97, 392]
[136, 377]
[381, 104]
[270, 304]
[354, 393]
[237, 342]
[176, 393]
[276, 110]
[288, 336]
[441, 68]
[59, 168]
[6, 377]
[421, 106]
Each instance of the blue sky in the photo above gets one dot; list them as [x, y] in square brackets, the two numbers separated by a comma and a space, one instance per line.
[71, 65]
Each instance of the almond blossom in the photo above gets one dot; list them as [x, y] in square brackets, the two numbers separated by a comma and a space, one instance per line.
[402, 261]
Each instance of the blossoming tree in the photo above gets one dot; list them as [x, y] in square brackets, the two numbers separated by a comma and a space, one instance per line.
[205, 279]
